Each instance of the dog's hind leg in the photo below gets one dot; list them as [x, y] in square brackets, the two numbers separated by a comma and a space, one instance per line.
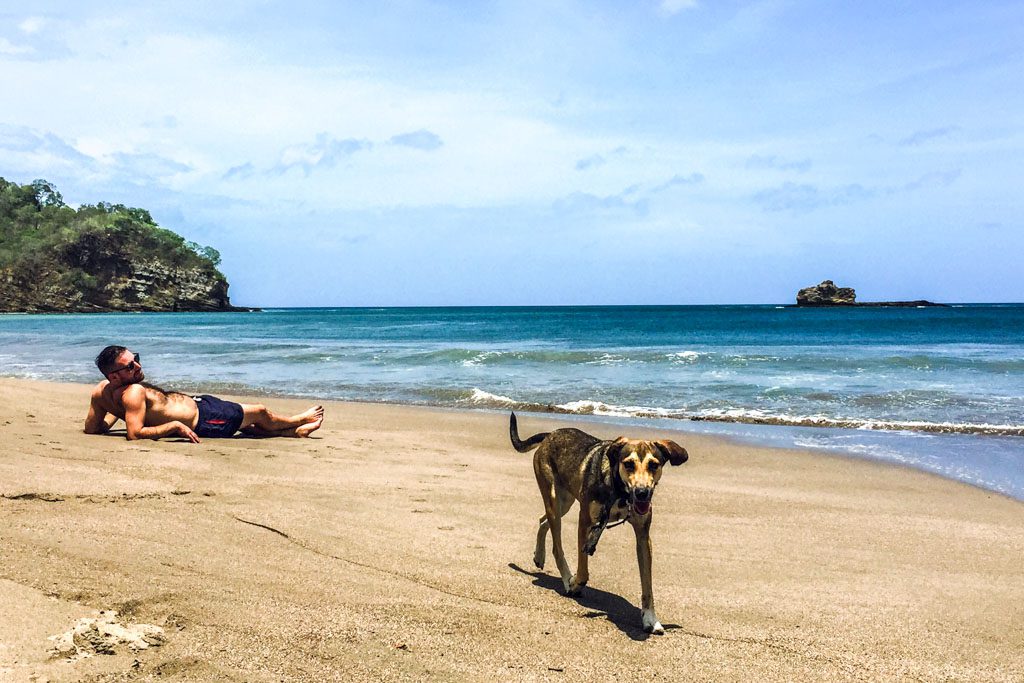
[565, 502]
[593, 518]
[554, 512]
[542, 536]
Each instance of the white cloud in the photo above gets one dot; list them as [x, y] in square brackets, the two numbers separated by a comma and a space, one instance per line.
[420, 139]
[760, 161]
[324, 152]
[32, 147]
[922, 136]
[677, 6]
[9, 48]
[32, 25]
[590, 162]
[679, 180]
[147, 165]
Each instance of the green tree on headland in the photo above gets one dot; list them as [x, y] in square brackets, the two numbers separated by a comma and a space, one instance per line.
[98, 257]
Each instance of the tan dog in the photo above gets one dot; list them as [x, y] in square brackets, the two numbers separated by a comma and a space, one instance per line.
[612, 480]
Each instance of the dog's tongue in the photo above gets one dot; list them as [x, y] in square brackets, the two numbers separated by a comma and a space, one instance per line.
[642, 508]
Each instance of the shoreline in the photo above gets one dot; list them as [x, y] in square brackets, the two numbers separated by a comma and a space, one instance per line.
[397, 545]
[772, 434]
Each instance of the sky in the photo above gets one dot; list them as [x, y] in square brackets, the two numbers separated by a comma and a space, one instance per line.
[540, 153]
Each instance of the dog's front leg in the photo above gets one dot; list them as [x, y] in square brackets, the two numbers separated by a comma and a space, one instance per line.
[642, 527]
[600, 514]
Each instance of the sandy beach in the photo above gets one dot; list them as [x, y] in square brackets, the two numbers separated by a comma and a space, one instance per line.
[397, 545]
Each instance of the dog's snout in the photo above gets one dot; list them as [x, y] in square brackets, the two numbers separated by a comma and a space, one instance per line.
[642, 493]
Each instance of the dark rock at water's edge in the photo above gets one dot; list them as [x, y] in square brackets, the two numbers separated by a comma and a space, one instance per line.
[827, 294]
[98, 258]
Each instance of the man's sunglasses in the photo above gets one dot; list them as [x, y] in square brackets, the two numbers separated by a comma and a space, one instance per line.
[131, 366]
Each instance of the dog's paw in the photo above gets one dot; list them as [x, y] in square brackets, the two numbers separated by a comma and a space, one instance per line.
[651, 623]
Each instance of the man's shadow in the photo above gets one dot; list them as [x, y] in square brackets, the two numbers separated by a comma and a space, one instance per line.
[624, 614]
[122, 433]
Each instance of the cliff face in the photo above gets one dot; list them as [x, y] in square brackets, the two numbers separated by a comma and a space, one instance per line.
[120, 286]
[55, 259]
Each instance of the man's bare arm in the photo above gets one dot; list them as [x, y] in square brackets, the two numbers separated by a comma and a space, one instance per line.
[134, 401]
[98, 421]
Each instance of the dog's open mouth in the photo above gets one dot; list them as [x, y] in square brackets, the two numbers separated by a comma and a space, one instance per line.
[641, 507]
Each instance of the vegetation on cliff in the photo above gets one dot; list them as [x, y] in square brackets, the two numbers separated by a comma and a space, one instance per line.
[98, 257]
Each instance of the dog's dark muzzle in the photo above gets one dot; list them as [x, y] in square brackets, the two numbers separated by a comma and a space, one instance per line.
[640, 499]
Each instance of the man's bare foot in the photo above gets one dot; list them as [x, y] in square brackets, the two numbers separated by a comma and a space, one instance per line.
[305, 430]
[312, 415]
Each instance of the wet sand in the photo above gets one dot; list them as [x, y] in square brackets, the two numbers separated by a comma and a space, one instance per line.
[397, 545]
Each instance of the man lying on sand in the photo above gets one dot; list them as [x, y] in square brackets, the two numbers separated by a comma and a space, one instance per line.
[149, 412]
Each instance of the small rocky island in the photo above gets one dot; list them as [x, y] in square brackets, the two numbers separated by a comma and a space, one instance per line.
[98, 258]
[827, 294]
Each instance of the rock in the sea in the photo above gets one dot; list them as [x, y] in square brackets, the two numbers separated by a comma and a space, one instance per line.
[826, 294]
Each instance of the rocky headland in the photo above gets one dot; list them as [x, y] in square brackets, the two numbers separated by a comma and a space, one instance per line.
[827, 294]
[98, 258]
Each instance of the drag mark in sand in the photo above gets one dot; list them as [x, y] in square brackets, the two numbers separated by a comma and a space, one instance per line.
[264, 526]
[364, 565]
[45, 497]
[89, 497]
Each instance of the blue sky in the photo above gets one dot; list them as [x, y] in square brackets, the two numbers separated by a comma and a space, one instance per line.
[475, 153]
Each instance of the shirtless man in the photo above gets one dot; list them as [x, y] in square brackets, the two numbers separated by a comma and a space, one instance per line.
[149, 412]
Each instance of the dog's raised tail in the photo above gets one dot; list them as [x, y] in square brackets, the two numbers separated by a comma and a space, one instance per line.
[517, 443]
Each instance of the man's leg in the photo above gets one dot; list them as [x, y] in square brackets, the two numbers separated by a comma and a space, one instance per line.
[298, 432]
[258, 420]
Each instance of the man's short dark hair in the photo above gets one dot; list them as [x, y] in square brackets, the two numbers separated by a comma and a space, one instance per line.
[107, 360]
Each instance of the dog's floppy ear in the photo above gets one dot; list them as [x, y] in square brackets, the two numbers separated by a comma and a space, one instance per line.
[615, 450]
[675, 453]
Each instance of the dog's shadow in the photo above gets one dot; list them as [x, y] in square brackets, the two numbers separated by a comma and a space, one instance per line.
[619, 611]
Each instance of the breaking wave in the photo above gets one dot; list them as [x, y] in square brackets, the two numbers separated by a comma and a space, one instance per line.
[485, 399]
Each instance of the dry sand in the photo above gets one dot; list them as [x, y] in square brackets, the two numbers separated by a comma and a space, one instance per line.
[397, 546]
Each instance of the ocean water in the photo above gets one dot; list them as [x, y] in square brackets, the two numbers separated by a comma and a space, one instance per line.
[941, 389]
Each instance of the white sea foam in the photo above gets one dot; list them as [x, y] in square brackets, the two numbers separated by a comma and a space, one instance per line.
[474, 361]
[586, 407]
[607, 359]
[481, 396]
[592, 408]
[756, 416]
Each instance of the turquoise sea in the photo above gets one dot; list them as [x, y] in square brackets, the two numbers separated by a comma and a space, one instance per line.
[940, 389]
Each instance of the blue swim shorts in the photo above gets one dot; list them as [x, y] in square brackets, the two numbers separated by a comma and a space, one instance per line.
[217, 418]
